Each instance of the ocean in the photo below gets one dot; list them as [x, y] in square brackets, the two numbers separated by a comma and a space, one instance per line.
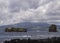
[29, 34]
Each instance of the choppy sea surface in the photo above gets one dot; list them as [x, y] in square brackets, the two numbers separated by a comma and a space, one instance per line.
[30, 34]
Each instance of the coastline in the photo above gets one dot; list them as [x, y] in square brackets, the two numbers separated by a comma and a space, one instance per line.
[47, 40]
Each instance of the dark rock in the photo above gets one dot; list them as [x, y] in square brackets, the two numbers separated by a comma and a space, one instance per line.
[15, 30]
[48, 40]
[53, 28]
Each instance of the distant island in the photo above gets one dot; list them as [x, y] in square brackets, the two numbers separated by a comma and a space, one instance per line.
[52, 28]
[15, 29]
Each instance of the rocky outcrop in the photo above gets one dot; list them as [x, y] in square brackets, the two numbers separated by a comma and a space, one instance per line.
[47, 40]
[15, 30]
[53, 28]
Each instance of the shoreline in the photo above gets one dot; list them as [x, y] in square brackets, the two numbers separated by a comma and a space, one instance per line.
[47, 40]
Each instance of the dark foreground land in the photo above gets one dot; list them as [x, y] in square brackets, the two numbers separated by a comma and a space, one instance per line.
[48, 40]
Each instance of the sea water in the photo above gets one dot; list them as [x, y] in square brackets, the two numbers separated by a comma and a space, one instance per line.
[29, 34]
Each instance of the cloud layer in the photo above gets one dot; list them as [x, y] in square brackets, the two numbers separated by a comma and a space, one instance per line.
[17, 11]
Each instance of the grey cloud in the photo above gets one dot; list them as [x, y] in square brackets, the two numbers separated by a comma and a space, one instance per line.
[16, 6]
[17, 11]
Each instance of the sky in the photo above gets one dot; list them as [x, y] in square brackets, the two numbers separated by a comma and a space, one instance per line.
[18, 11]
